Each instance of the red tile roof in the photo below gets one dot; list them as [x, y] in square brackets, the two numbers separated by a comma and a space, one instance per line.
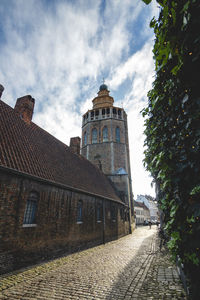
[30, 149]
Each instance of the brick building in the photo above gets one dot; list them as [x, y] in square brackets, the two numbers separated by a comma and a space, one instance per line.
[52, 199]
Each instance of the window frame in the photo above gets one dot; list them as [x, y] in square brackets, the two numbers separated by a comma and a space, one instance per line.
[30, 212]
[94, 141]
[105, 134]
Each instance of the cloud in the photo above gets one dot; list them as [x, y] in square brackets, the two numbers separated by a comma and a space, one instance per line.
[58, 51]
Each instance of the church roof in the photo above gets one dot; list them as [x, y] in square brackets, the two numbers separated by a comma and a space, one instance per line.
[30, 149]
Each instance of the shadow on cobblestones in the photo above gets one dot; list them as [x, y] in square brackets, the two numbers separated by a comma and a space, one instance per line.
[129, 268]
[150, 275]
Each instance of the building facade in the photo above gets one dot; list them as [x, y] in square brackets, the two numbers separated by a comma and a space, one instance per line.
[53, 200]
[142, 213]
[105, 143]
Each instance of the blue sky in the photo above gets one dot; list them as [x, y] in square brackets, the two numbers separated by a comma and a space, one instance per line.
[59, 50]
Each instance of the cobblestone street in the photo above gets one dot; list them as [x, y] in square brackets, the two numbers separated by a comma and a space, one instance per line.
[129, 268]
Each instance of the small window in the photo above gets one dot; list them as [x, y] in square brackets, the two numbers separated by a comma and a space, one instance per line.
[96, 112]
[94, 135]
[31, 208]
[117, 133]
[85, 138]
[99, 213]
[105, 134]
[114, 111]
[103, 111]
[80, 212]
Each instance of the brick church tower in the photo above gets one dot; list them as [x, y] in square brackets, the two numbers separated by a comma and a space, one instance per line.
[105, 143]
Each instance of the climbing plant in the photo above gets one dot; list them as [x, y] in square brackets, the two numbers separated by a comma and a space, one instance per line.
[172, 129]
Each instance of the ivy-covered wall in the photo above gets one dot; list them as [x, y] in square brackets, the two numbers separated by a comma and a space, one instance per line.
[172, 128]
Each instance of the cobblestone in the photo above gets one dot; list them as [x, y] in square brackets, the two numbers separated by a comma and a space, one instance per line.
[129, 268]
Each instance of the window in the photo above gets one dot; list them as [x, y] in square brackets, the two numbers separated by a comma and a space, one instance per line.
[31, 207]
[117, 133]
[94, 136]
[103, 111]
[107, 111]
[113, 213]
[85, 138]
[114, 111]
[80, 212]
[99, 213]
[105, 134]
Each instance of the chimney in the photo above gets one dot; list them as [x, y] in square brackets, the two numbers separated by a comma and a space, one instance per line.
[24, 107]
[1, 90]
[75, 144]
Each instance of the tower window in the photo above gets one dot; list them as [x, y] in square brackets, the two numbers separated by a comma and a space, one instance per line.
[85, 138]
[31, 208]
[105, 134]
[107, 111]
[80, 211]
[114, 111]
[103, 111]
[96, 112]
[94, 135]
[117, 134]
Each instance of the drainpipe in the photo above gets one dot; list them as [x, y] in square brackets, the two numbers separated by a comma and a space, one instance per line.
[104, 220]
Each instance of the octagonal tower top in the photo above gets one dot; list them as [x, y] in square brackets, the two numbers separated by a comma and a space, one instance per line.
[103, 99]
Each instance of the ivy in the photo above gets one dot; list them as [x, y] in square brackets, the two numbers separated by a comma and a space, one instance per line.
[172, 129]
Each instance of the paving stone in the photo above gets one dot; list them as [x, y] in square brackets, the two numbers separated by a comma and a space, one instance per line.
[129, 268]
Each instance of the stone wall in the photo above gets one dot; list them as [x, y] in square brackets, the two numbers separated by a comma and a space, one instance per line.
[56, 230]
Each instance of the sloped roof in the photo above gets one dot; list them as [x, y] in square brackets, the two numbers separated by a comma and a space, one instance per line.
[30, 149]
[140, 204]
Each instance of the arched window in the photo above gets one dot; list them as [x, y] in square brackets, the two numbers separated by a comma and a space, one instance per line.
[105, 134]
[85, 138]
[94, 136]
[117, 134]
[31, 207]
[80, 211]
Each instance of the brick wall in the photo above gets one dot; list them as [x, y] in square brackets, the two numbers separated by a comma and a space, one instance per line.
[56, 230]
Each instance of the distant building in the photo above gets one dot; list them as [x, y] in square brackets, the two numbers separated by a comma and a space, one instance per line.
[151, 203]
[142, 213]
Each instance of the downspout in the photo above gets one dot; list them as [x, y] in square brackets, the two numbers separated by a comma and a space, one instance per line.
[104, 221]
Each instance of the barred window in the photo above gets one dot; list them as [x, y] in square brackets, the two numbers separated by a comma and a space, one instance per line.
[31, 208]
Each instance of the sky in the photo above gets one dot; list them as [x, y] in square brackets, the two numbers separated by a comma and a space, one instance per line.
[59, 51]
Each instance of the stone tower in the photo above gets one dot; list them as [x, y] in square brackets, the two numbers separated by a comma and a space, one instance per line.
[105, 143]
